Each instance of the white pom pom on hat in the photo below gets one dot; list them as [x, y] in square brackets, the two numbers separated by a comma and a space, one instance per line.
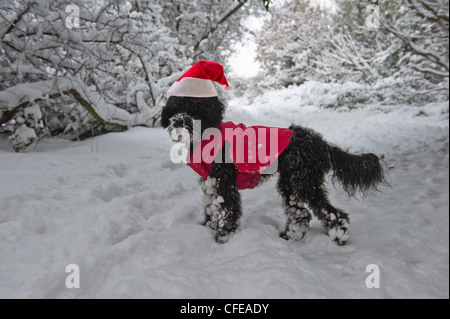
[197, 81]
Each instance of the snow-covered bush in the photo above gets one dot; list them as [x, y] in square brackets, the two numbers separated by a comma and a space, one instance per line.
[26, 127]
[22, 138]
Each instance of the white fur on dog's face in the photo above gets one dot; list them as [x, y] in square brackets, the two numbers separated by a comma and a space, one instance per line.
[179, 128]
[180, 135]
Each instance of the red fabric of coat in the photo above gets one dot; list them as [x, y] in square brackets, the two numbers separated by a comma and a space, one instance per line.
[252, 149]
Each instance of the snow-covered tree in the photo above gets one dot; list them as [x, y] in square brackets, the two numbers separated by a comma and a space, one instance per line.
[309, 42]
[291, 42]
[111, 54]
[403, 50]
[111, 61]
[423, 28]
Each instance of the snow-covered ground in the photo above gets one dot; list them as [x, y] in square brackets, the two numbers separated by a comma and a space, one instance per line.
[117, 207]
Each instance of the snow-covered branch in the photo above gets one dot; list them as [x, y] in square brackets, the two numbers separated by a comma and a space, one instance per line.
[429, 38]
[21, 95]
[430, 55]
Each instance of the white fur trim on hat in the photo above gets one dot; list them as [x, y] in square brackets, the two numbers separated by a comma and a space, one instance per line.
[228, 88]
[192, 87]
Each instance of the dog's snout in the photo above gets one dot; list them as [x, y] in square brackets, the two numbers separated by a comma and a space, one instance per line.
[179, 134]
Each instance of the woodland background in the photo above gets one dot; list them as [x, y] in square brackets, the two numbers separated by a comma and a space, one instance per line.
[109, 69]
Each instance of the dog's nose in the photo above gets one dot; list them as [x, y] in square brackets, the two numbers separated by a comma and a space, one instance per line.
[179, 123]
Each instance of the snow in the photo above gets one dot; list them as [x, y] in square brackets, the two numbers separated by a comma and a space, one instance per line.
[117, 207]
[33, 111]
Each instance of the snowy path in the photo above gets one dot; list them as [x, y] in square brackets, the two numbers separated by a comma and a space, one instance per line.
[119, 209]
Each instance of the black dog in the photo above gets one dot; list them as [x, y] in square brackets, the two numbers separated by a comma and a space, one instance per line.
[302, 168]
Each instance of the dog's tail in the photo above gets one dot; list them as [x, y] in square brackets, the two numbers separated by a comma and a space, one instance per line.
[357, 172]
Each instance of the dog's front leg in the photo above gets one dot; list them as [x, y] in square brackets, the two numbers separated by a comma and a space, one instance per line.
[221, 201]
[209, 194]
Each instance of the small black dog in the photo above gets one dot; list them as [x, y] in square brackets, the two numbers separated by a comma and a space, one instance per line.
[302, 168]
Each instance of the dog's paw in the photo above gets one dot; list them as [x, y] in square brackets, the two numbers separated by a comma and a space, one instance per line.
[298, 220]
[222, 236]
[290, 235]
[208, 223]
[222, 239]
[340, 232]
[295, 231]
[284, 235]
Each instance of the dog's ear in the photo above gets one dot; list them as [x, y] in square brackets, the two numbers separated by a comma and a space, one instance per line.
[172, 107]
[165, 116]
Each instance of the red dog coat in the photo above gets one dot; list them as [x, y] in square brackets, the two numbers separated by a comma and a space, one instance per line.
[252, 149]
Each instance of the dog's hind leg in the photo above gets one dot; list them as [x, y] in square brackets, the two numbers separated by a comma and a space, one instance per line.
[303, 167]
[337, 224]
[222, 201]
[298, 216]
[335, 221]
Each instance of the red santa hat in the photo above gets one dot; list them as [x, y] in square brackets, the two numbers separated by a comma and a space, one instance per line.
[198, 81]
